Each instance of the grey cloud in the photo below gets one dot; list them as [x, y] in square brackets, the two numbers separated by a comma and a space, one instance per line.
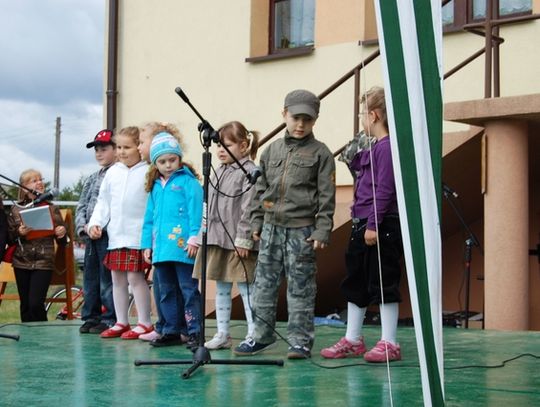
[52, 51]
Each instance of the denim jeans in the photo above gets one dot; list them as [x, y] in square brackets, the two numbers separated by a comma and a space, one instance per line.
[97, 283]
[172, 275]
[160, 323]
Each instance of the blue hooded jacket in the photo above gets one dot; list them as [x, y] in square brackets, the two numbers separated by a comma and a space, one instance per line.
[173, 215]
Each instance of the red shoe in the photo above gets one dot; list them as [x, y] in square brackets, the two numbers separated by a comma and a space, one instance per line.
[115, 333]
[134, 334]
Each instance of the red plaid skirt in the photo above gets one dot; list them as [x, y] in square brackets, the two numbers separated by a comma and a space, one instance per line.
[125, 260]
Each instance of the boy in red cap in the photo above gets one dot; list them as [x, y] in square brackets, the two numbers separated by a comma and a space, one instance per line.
[97, 283]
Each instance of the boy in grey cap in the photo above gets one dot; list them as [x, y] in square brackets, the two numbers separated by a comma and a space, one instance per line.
[292, 215]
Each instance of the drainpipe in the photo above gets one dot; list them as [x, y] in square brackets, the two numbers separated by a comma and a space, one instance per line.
[112, 64]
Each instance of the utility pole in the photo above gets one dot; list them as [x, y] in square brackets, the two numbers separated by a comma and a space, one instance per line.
[56, 182]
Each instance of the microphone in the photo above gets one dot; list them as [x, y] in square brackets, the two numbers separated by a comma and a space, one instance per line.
[449, 191]
[181, 93]
[255, 173]
[46, 196]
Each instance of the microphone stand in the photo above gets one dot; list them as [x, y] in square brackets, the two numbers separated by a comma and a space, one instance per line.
[32, 191]
[470, 241]
[8, 336]
[201, 355]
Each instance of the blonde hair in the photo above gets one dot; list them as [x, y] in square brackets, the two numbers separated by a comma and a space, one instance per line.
[374, 100]
[155, 128]
[158, 127]
[130, 131]
[26, 176]
[237, 133]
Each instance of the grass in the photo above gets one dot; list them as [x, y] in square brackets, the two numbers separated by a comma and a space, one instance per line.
[9, 309]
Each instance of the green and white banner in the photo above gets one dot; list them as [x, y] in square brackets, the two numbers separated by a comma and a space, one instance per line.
[410, 39]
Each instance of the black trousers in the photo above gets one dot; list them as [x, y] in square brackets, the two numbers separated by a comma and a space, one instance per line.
[32, 286]
[362, 286]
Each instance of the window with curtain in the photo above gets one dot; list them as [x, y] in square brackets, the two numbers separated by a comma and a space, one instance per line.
[506, 8]
[292, 24]
[460, 12]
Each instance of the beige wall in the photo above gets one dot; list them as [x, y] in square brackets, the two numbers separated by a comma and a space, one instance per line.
[202, 47]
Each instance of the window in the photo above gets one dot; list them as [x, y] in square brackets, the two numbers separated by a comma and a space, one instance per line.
[457, 13]
[506, 8]
[292, 24]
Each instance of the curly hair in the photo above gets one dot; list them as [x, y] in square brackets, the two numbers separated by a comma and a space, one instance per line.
[154, 128]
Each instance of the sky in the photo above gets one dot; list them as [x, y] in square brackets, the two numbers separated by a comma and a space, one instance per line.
[52, 54]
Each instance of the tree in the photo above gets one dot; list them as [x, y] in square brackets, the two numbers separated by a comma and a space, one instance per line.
[72, 193]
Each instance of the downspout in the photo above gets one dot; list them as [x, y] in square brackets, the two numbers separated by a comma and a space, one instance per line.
[112, 64]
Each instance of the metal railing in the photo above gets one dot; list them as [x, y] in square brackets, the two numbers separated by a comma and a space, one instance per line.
[491, 72]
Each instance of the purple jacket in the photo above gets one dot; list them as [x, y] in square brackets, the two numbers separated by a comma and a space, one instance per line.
[385, 188]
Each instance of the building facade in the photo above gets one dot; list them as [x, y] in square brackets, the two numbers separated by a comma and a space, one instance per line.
[236, 60]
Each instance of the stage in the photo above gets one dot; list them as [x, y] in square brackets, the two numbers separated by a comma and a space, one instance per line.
[53, 364]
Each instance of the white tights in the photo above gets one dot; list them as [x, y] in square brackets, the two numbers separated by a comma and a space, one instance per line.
[389, 321]
[141, 294]
[223, 306]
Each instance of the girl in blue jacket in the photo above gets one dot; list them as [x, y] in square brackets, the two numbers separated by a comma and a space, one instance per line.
[171, 224]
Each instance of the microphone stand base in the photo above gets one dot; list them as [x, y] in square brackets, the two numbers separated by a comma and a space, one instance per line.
[201, 356]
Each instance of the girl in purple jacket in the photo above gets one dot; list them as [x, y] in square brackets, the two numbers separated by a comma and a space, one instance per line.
[375, 239]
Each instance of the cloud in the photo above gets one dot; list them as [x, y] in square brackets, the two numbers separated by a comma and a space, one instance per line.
[52, 51]
[27, 138]
[52, 66]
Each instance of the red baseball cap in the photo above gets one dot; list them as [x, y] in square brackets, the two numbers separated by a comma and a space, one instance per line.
[103, 138]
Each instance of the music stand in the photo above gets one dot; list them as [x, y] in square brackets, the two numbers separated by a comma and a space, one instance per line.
[201, 356]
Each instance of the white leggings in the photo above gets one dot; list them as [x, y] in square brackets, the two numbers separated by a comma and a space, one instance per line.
[141, 294]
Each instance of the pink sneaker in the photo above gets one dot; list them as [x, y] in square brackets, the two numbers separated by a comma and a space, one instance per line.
[343, 349]
[149, 337]
[378, 353]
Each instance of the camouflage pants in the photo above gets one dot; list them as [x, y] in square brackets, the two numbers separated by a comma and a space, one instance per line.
[284, 252]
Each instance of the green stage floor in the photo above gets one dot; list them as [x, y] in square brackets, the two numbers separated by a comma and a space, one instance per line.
[53, 365]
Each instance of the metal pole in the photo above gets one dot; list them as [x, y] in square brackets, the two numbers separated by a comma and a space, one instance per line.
[56, 180]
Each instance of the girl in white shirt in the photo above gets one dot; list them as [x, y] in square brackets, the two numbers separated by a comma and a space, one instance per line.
[120, 207]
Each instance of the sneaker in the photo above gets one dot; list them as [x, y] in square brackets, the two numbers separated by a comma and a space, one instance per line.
[149, 337]
[250, 347]
[298, 352]
[343, 348]
[85, 328]
[167, 340]
[379, 352]
[99, 328]
[219, 341]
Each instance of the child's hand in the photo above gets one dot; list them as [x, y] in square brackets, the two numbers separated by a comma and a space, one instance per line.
[192, 250]
[24, 230]
[317, 244]
[370, 237]
[147, 256]
[241, 252]
[94, 232]
[60, 232]
[256, 236]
